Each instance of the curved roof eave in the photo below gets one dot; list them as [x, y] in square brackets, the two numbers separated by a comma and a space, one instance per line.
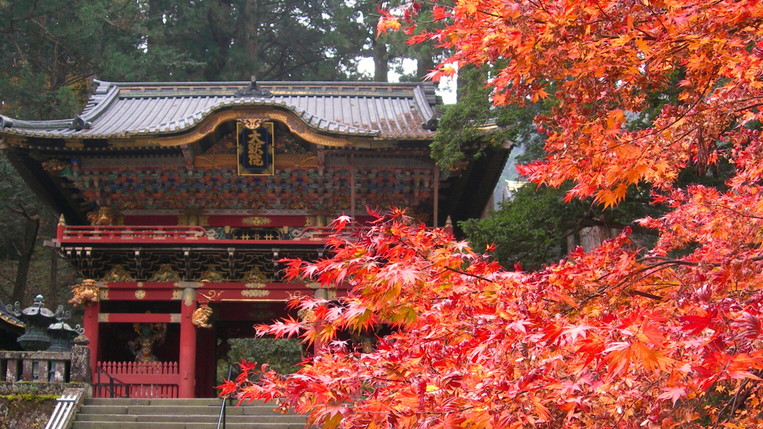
[113, 108]
[64, 128]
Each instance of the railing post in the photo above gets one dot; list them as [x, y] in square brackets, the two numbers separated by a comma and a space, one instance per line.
[223, 413]
[60, 228]
[221, 417]
[43, 371]
[58, 372]
[12, 370]
[27, 369]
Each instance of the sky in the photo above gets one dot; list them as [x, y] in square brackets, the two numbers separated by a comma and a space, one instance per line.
[446, 88]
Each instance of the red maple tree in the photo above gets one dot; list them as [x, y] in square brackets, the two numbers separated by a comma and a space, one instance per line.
[668, 336]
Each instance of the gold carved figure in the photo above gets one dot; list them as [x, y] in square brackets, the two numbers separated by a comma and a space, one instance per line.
[102, 216]
[150, 335]
[84, 293]
[201, 316]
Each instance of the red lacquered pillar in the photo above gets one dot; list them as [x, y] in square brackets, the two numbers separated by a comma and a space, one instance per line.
[187, 344]
[90, 324]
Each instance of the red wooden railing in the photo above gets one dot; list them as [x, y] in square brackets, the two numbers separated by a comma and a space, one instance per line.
[133, 232]
[170, 235]
[136, 380]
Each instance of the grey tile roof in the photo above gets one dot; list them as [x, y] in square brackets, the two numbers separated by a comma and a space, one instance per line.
[390, 111]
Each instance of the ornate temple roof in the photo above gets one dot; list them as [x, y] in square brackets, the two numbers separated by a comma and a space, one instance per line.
[172, 146]
[388, 111]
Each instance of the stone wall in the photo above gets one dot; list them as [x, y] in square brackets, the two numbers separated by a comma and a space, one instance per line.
[25, 411]
[40, 368]
[30, 382]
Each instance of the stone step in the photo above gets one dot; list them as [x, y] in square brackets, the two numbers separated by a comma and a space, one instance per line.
[178, 410]
[162, 401]
[241, 418]
[180, 414]
[184, 425]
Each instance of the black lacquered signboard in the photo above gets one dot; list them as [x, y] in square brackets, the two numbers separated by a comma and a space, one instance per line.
[255, 148]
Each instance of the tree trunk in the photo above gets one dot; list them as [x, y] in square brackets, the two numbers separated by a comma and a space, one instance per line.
[154, 24]
[31, 227]
[381, 61]
[250, 24]
[424, 62]
[219, 17]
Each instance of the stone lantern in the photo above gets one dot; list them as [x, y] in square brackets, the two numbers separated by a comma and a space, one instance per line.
[62, 336]
[36, 320]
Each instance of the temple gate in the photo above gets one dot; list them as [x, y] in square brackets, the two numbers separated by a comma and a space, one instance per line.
[178, 201]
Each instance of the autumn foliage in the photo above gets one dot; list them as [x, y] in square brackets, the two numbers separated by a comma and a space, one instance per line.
[621, 337]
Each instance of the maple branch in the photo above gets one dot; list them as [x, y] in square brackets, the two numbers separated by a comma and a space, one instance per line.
[470, 275]
[643, 392]
[650, 270]
[489, 13]
[747, 107]
[390, 380]
[659, 267]
[664, 261]
[734, 211]
[645, 294]
[540, 5]
[631, 292]
[700, 96]
[442, 413]
[399, 239]
[735, 402]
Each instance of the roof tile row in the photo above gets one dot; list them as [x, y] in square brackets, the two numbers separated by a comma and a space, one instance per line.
[380, 110]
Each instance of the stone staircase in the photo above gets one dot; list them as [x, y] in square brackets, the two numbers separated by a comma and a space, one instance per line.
[180, 414]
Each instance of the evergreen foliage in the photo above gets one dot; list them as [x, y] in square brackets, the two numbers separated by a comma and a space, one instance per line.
[52, 48]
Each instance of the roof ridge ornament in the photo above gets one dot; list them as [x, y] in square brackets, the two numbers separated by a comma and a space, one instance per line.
[430, 124]
[79, 123]
[253, 90]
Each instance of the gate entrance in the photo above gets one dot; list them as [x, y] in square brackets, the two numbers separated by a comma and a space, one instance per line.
[178, 197]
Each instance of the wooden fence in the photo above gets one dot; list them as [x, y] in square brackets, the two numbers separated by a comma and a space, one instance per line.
[136, 380]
